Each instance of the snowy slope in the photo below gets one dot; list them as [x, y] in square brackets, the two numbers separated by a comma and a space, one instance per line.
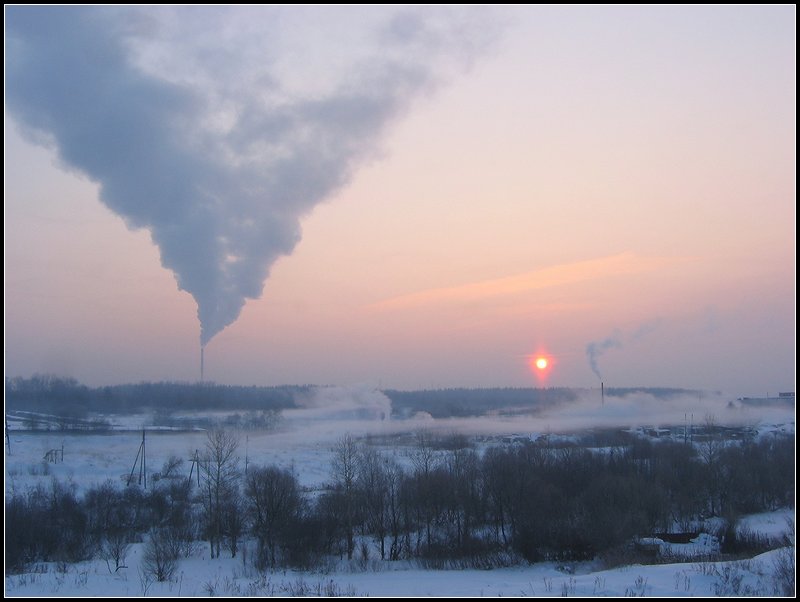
[229, 577]
[304, 445]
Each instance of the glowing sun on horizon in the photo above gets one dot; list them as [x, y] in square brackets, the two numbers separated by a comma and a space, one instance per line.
[541, 363]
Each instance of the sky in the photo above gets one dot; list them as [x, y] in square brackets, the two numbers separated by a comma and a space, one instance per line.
[404, 197]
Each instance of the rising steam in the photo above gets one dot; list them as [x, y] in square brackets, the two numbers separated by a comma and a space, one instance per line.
[194, 129]
[615, 341]
[597, 348]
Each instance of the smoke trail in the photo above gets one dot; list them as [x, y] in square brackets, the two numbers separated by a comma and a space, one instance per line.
[218, 153]
[597, 348]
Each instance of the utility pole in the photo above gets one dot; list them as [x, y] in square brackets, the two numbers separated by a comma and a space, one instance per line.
[142, 463]
[195, 462]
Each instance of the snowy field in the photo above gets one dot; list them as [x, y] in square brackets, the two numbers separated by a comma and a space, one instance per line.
[303, 443]
[304, 437]
[200, 576]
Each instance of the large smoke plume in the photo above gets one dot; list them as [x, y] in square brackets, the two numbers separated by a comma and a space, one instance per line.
[194, 129]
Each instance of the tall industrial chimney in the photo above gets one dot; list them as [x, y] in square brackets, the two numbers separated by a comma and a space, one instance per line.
[202, 349]
[602, 394]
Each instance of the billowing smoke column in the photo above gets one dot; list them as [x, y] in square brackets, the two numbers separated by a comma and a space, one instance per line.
[219, 163]
[597, 348]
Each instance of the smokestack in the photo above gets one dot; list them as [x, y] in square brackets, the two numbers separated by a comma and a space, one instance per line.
[202, 349]
[602, 394]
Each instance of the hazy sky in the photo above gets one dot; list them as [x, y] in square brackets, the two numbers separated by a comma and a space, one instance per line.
[429, 197]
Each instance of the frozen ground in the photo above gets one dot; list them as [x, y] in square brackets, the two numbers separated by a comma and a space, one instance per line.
[92, 459]
[772, 524]
[200, 576]
[305, 435]
[304, 444]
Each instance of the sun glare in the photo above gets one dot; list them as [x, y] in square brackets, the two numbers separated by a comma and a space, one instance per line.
[540, 364]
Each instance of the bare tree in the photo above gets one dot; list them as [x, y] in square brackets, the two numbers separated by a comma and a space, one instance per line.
[344, 468]
[115, 546]
[423, 457]
[466, 499]
[172, 467]
[394, 477]
[713, 444]
[373, 484]
[220, 484]
[425, 484]
[233, 520]
[274, 503]
[710, 451]
[784, 564]
[159, 558]
[500, 481]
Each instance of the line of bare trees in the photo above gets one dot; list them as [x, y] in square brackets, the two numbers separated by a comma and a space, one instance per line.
[527, 501]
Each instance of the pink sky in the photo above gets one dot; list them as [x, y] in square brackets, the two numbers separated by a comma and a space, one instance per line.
[597, 172]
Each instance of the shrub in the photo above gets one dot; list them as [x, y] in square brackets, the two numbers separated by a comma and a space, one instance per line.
[160, 558]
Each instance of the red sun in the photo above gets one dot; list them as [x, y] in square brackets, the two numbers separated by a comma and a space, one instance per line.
[540, 364]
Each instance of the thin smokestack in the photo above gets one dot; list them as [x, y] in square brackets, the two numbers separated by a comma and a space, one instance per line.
[602, 394]
[202, 350]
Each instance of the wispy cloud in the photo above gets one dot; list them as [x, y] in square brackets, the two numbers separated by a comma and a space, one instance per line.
[569, 273]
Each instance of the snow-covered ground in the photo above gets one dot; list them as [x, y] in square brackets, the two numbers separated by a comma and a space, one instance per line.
[91, 459]
[200, 576]
[771, 524]
[303, 443]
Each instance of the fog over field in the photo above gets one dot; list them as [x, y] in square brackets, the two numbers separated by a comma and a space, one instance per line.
[322, 415]
[304, 441]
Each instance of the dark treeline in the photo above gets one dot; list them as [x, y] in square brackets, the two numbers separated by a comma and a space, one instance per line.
[444, 403]
[441, 507]
[66, 396]
[659, 392]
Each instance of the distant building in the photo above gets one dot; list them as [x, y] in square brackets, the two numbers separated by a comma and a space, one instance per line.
[784, 399]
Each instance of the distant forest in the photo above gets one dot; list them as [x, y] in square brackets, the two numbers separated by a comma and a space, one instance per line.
[64, 396]
[444, 403]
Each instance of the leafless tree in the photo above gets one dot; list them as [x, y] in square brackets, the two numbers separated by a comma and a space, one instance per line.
[499, 482]
[397, 524]
[344, 467]
[423, 456]
[465, 509]
[274, 502]
[172, 467]
[712, 446]
[373, 485]
[115, 547]
[710, 450]
[784, 564]
[220, 474]
[159, 559]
